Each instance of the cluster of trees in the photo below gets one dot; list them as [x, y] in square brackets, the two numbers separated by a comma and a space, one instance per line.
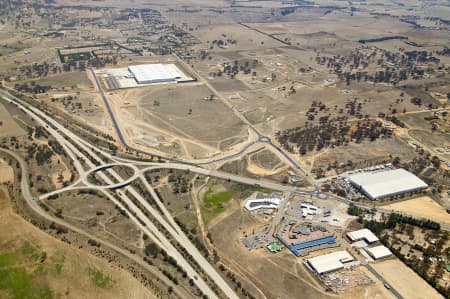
[96, 61]
[230, 275]
[6, 6]
[330, 133]
[36, 70]
[418, 164]
[380, 39]
[42, 153]
[396, 121]
[68, 100]
[202, 55]
[39, 132]
[434, 250]
[386, 76]
[57, 148]
[444, 52]
[356, 211]
[39, 70]
[192, 235]
[288, 10]
[31, 88]
[221, 43]
[378, 226]
[396, 66]
[420, 56]
[179, 183]
[233, 69]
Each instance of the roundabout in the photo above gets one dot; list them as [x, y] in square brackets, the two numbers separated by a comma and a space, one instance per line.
[86, 175]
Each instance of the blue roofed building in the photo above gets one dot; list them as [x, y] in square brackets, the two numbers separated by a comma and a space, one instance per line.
[305, 248]
[303, 239]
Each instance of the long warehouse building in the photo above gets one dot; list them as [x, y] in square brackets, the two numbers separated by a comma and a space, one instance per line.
[155, 73]
[329, 262]
[382, 184]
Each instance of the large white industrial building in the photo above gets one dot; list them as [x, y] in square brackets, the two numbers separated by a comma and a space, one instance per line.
[362, 234]
[379, 252]
[329, 262]
[155, 73]
[381, 184]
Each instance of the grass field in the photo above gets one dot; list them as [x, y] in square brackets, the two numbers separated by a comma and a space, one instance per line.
[100, 279]
[219, 193]
[213, 203]
[22, 271]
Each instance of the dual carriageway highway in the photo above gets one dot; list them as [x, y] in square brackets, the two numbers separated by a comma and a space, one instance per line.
[72, 145]
[77, 150]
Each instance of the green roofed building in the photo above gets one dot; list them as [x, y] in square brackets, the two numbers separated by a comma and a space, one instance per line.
[275, 247]
[302, 229]
[447, 267]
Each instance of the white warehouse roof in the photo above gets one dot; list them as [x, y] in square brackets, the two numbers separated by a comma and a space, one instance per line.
[150, 73]
[362, 234]
[379, 252]
[329, 262]
[262, 203]
[386, 183]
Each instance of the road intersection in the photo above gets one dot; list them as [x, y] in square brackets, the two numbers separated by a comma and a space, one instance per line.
[87, 160]
[79, 151]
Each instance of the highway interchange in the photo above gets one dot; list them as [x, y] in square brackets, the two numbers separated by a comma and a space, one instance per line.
[121, 193]
[77, 153]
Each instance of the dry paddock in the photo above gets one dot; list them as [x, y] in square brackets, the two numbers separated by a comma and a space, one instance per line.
[405, 281]
[422, 207]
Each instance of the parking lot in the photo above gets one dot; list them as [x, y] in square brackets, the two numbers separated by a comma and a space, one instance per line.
[328, 212]
[342, 186]
[259, 239]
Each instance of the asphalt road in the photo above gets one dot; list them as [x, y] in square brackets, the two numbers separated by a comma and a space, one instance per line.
[33, 204]
[149, 228]
[381, 278]
[261, 137]
[67, 139]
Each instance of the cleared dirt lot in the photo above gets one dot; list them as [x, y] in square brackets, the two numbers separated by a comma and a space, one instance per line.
[364, 153]
[265, 160]
[437, 139]
[184, 110]
[375, 290]
[8, 126]
[245, 38]
[6, 172]
[178, 119]
[424, 207]
[405, 281]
